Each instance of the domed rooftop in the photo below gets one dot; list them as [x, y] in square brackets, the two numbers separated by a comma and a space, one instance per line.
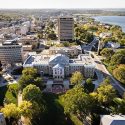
[59, 59]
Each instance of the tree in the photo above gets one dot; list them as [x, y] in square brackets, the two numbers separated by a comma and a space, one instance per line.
[76, 101]
[51, 25]
[29, 76]
[32, 93]
[119, 73]
[119, 107]
[89, 86]
[25, 80]
[76, 78]
[52, 36]
[121, 51]
[86, 37]
[11, 112]
[40, 35]
[122, 41]
[117, 59]
[105, 93]
[37, 104]
[83, 35]
[107, 52]
[29, 109]
[89, 81]
[30, 71]
[66, 44]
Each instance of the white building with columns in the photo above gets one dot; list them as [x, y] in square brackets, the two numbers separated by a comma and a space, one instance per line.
[60, 66]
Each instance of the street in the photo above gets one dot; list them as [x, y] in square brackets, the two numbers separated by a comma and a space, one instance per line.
[102, 69]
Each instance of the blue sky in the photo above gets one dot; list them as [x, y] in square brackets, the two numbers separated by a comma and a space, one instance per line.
[62, 3]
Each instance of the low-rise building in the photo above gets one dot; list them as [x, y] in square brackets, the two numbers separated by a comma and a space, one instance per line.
[69, 51]
[29, 40]
[60, 66]
[25, 27]
[113, 45]
[27, 47]
[10, 52]
[112, 120]
[105, 35]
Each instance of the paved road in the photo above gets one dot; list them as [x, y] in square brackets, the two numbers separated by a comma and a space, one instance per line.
[100, 67]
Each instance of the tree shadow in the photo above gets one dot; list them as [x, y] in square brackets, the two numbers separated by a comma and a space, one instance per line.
[3, 91]
[55, 112]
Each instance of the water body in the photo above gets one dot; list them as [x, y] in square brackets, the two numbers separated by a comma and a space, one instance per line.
[114, 20]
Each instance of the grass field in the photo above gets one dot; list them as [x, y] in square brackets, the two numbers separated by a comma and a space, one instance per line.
[9, 94]
[55, 112]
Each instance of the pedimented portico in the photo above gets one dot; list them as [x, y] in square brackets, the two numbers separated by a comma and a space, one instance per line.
[58, 72]
[59, 66]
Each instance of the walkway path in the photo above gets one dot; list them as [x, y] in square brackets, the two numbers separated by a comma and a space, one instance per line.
[100, 67]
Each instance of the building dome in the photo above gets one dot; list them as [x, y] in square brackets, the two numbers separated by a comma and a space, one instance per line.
[59, 59]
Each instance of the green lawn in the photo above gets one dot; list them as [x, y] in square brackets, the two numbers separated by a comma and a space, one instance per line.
[55, 112]
[3, 91]
[9, 94]
[75, 120]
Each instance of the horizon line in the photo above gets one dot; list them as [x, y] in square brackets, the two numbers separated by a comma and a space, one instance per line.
[57, 8]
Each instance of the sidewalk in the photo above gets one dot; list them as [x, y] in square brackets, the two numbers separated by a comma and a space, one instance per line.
[101, 67]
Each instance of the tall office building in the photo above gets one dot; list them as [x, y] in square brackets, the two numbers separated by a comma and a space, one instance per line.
[65, 28]
[10, 52]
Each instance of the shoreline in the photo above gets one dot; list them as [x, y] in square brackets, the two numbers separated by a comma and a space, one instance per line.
[110, 23]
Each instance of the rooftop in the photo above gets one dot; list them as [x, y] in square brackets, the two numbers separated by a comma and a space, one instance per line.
[113, 119]
[65, 48]
[83, 59]
[9, 42]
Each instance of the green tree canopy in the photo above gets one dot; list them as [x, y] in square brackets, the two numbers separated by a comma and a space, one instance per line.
[83, 35]
[29, 109]
[119, 73]
[89, 86]
[105, 93]
[32, 93]
[52, 36]
[30, 71]
[76, 78]
[29, 76]
[120, 105]
[117, 59]
[107, 52]
[11, 111]
[76, 101]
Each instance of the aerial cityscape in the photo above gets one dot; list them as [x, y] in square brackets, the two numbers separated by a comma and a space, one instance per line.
[62, 63]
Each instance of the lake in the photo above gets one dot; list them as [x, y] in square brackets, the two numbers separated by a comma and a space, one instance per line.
[114, 20]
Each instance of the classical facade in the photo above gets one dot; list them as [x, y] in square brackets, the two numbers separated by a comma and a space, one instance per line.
[65, 28]
[60, 66]
[10, 52]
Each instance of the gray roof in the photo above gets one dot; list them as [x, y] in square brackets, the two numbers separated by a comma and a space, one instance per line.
[113, 120]
[58, 66]
[59, 59]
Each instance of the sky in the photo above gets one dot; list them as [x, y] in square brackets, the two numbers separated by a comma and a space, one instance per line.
[62, 3]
